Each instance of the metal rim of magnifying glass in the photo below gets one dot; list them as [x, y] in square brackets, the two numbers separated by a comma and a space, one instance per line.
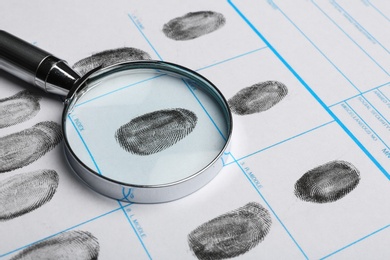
[148, 193]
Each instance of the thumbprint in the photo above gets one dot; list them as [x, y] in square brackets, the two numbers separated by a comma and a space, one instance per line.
[257, 98]
[22, 148]
[328, 182]
[110, 57]
[231, 234]
[23, 193]
[80, 245]
[156, 131]
[18, 108]
[193, 25]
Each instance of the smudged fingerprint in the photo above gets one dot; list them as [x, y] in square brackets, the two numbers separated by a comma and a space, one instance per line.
[328, 182]
[257, 98]
[22, 148]
[193, 25]
[25, 192]
[231, 234]
[18, 108]
[109, 57]
[156, 131]
[77, 245]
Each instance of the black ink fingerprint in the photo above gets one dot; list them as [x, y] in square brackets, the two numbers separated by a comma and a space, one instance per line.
[109, 57]
[80, 245]
[328, 182]
[25, 192]
[22, 148]
[193, 25]
[18, 108]
[231, 234]
[156, 131]
[257, 98]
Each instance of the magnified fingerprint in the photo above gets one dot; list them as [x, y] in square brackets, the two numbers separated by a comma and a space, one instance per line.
[18, 108]
[25, 192]
[156, 131]
[77, 245]
[257, 98]
[22, 148]
[328, 182]
[231, 234]
[109, 57]
[193, 25]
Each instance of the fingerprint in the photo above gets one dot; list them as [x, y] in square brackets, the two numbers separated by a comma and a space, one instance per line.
[25, 192]
[18, 108]
[328, 182]
[231, 234]
[75, 245]
[257, 98]
[156, 131]
[22, 148]
[193, 25]
[110, 57]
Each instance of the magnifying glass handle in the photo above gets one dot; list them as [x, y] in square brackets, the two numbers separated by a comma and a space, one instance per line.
[35, 65]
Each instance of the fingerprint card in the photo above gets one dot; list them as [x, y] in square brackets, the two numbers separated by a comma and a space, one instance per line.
[194, 34]
[307, 84]
[87, 241]
[268, 103]
[328, 189]
[227, 219]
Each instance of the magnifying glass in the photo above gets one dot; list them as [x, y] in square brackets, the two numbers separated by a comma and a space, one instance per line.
[140, 131]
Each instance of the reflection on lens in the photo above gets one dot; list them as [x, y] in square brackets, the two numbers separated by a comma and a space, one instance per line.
[177, 128]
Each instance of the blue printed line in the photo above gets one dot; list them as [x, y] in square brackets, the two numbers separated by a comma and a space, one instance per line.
[345, 100]
[387, 175]
[227, 164]
[223, 161]
[232, 58]
[145, 80]
[346, 130]
[65, 230]
[318, 49]
[150, 44]
[146, 38]
[230, 163]
[350, 16]
[204, 109]
[383, 94]
[357, 95]
[85, 145]
[269, 206]
[357, 241]
[119, 89]
[377, 9]
[286, 140]
[127, 195]
[383, 85]
[134, 229]
[349, 37]
[379, 113]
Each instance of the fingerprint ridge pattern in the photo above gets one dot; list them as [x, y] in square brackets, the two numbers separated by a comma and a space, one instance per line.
[25, 192]
[231, 234]
[156, 131]
[328, 182]
[193, 25]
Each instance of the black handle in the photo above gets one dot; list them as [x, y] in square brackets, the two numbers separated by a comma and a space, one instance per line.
[35, 65]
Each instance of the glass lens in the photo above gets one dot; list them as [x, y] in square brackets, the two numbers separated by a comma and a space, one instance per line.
[147, 126]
